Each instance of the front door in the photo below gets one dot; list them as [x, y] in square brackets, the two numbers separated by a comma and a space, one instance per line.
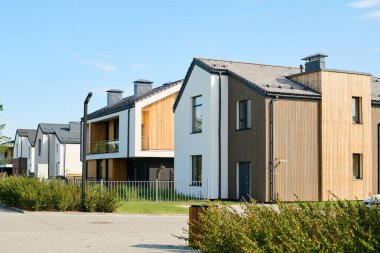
[244, 180]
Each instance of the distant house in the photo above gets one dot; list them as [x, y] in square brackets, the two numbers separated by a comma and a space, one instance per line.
[57, 150]
[6, 158]
[23, 152]
[132, 138]
[276, 132]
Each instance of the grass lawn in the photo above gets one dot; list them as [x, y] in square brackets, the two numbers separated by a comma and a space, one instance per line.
[158, 207]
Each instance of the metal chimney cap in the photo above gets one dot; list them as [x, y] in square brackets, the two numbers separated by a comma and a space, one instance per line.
[115, 91]
[315, 57]
[142, 81]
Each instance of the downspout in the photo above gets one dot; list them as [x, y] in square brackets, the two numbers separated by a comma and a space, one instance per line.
[272, 178]
[129, 117]
[220, 134]
[48, 154]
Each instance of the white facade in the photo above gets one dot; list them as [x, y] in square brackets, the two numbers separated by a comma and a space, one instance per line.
[54, 158]
[24, 149]
[188, 144]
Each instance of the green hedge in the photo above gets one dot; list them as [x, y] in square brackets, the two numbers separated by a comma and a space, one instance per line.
[337, 226]
[35, 195]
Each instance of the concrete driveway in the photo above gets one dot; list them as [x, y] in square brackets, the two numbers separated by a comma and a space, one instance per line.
[77, 232]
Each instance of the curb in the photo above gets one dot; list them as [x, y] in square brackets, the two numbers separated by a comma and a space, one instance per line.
[12, 208]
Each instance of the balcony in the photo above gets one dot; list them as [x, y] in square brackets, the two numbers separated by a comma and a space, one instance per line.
[8, 160]
[104, 147]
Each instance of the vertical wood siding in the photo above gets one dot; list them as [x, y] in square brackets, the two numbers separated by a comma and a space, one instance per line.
[375, 150]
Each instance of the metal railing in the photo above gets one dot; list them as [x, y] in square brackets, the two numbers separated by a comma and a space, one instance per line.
[7, 160]
[155, 190]
[105, 147]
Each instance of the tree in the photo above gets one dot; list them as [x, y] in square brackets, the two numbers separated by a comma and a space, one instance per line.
[3, 139]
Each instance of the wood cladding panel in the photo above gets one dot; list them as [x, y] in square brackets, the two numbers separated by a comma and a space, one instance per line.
[91, 169]
[247, 145]
[341, 138]
[375, 114]
[311, 80]
[296, 149]
[157, 124]
[117, 169]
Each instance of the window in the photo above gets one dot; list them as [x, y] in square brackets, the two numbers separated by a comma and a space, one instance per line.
[243, 114]
[39, 147]
[30, 153]
[56, 150]
[357, 165]
[196, 170]
[197, 114]
[356, 110]
[116, 129]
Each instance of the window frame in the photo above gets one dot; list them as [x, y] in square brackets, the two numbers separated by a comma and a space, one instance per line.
[248, 115]
[39, 147]
[196, 178]
[357, 174]
[358, 110]
[194, 108]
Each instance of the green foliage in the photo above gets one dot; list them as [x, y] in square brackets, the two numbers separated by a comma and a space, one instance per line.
[2, 138]
[339, 226]
[32, 194]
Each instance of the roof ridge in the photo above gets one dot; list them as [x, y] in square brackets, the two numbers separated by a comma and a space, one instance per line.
[244, 62]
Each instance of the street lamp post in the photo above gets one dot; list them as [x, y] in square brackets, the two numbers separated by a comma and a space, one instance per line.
[84, 150]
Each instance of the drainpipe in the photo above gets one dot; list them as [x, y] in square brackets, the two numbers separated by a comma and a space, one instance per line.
[129, 117]
[48, 154]
[220, 134]
[272, 178]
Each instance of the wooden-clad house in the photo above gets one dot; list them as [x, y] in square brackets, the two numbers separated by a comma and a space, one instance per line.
[132, 138]
[275, 132]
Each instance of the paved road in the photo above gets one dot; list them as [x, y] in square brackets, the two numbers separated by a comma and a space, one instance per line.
[75, 232]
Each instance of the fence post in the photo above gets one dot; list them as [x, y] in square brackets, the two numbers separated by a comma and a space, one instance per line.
[101, 184]
[156, 189]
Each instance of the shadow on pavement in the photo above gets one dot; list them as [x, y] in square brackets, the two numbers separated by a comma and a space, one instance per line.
[168, 248]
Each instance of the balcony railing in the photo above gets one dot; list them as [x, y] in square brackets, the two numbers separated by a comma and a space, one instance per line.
[8, 160]
[105, 147]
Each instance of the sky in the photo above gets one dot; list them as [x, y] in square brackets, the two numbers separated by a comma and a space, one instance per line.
[52, 53]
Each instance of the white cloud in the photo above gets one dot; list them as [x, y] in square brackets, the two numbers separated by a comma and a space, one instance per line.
[106, 67]
[364, 4]
[137, 65]
[373, 15]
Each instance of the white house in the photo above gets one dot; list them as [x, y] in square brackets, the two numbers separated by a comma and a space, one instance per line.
[57, 150]
[23, 152]
[132, 138]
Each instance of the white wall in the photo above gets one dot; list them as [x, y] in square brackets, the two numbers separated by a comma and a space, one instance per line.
[205, 143]
[72, 163]
[31, 160]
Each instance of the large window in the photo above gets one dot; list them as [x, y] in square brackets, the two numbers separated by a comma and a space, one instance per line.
[39, 147]
[116, 129]
[243, 114]
[357, 165]
[196, 169]
[356, 110]
[197, 114]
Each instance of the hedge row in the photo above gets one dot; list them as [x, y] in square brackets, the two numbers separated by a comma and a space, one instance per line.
[338, 226]
[35, 195]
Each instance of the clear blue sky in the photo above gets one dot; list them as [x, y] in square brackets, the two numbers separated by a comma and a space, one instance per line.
[53, 52]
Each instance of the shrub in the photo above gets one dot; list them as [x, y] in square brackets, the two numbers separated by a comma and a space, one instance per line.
[338, 226]
[32, 194]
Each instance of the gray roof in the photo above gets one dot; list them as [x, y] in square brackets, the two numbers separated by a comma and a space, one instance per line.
[62, 131]
[30, 133]
[375, 89]
[129, 102]
[268, 78]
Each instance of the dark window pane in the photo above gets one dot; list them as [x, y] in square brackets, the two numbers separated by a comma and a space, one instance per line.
[357, 166]
[196, 169]
[197, 114]
[356, 110]
[243, 114]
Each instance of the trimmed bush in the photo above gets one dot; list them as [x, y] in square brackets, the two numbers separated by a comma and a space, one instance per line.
[34, 195]
[338, 226]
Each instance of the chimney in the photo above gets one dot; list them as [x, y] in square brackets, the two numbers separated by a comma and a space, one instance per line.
[142, 87]
[113, 97]
[74, 126]
[315, 62]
